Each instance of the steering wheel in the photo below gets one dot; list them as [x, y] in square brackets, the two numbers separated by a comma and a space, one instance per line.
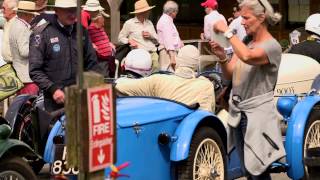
[215, 77]
[221, 88]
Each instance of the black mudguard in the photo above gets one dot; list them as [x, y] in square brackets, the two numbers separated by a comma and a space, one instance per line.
[316, 83]
[16, 107]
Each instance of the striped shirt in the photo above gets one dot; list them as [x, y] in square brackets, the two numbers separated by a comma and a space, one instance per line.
[101, 40]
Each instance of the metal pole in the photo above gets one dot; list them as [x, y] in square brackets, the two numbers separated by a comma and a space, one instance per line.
[79, 46]
[82, 174]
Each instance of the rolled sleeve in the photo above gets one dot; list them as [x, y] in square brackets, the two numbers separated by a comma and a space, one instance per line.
[123, 35]
[23, 43]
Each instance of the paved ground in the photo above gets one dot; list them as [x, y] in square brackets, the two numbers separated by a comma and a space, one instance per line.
[44, 175]
[281, 176]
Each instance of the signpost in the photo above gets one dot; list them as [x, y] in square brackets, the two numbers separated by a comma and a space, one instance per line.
[101, 127]
[93, 132]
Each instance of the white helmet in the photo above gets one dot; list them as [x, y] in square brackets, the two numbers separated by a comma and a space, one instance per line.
[313, 24]
[139, 61]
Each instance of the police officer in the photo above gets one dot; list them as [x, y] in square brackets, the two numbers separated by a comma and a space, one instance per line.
[311, 46]
[53, 54]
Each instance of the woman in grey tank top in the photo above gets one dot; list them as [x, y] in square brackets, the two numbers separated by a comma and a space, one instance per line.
[253, 70]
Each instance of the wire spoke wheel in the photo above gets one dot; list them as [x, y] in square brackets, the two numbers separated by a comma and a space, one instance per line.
[208, 161]
[9, 174]
[207, 157]
[15, 168]
[311, 143]
[24, 127]
[26, 131]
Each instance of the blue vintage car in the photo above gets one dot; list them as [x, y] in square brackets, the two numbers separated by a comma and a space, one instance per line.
[163, 139]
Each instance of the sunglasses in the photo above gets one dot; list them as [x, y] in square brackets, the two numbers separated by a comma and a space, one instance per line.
[264, 8]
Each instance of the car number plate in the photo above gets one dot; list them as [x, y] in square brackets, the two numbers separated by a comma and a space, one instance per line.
[59, 166]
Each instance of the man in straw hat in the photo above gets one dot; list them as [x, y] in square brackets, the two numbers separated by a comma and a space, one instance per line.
[19, 44]
[45, 15]
[91, 9]
[53, 54]
[183, 86]
[139, 32]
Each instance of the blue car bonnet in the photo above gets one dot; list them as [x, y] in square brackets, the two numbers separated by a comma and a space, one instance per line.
[143, 110]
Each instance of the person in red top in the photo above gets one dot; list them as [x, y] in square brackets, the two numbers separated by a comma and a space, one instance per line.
[104, 48]
[91, 9]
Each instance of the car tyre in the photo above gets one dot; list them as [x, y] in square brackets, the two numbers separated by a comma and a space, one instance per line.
[13, 167]
[24, 132]
[312, 142]
[205, 143]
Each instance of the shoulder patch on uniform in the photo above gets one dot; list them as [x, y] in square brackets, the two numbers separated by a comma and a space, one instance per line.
[37, 40]
[39, 28]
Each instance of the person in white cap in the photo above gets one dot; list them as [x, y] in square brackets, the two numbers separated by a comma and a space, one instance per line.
[311, 46]
[183, 86]
[139, 32]
[53, 54]
[236, 23]
[91, 9]
[19, 44]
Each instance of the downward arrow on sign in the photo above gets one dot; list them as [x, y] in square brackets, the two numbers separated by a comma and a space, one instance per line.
[101, 156]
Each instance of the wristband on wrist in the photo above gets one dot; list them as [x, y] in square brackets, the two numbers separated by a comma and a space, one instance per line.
[224, 61]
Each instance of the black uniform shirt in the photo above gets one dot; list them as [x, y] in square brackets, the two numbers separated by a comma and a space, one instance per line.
[310, 48]
[53, 56]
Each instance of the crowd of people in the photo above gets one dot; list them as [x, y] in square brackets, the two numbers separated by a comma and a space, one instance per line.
[41, 46]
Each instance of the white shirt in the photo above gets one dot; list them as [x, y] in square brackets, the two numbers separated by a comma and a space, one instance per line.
[19, 46]
[132, 29]
[209, 20]
[236, 24]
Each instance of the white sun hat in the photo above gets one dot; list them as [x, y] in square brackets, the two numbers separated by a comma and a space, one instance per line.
[92, 5]
[141, 6]
[65, 3]
[26, 7]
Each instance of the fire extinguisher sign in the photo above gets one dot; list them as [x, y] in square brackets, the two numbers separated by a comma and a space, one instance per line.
[101, 127]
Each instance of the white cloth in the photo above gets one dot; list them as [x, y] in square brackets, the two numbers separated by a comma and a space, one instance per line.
[236, 24]
[132, 29]
[19, 45]
[209, 20]
[263, 141]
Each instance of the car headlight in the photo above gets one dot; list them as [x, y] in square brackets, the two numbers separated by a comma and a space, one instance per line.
[286, 104]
